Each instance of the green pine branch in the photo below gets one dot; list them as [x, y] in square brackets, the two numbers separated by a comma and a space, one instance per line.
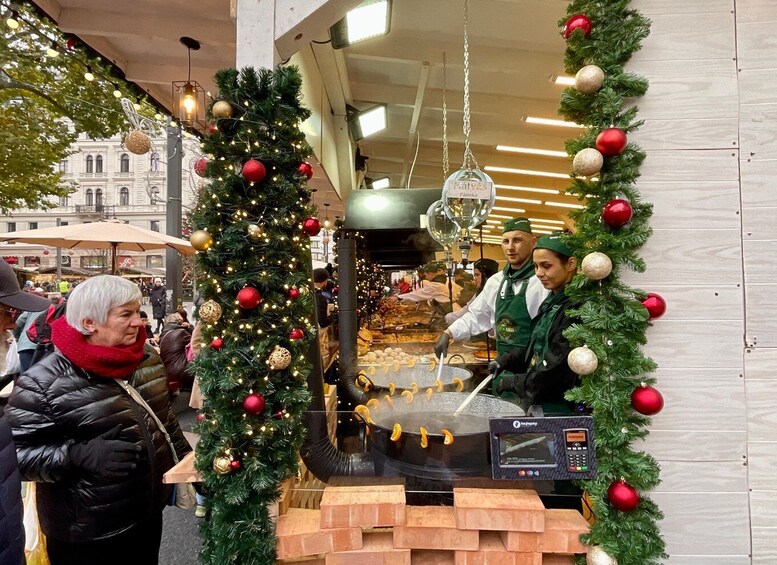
[613, 320]
[263, 126]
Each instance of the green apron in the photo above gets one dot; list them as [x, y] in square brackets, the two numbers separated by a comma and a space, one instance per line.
[513, 321]
[539, 342]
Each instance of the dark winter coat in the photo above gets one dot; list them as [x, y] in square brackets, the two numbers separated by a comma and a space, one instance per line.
[172, 348]
[158, 297]
[56, 404]
[11, 527]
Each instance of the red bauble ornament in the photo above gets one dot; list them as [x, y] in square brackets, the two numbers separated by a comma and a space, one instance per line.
[306, 170]
[296, 333]
[249, 298]
[200, 417]
[293, 293]
[611, 142]
[623, 496]
[336, 290]
[234, 464]
[311, 226]
[217, 343]
[647, 400]
[655, 305]
[617, 213]
[254, 404]
[279, 414]
[71, 43]
[253, 171]
[213, 129]
[200, 165]
[578, 21]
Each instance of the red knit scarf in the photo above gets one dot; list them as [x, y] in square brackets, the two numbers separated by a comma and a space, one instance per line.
[113, 362]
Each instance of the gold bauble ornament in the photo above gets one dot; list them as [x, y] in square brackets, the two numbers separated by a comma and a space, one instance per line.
[201, 240]
[222, 109]
[209, 312]
[589, 79]
[582, 361]
[587, 162]
[255, 231]
[221, 465]
[597, 556]
[596, 266]
[137, 142]
[279, 359]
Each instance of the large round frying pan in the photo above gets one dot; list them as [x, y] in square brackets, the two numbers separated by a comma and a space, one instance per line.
[458, 443]
[418, 378]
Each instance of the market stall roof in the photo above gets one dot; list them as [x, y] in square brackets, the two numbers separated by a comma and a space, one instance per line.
[515, 52]
[72, 271]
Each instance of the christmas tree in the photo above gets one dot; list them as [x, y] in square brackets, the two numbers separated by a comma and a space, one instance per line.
[252, 225]
[602, 35]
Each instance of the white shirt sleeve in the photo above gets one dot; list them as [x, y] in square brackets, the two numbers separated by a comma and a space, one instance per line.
[480, 315]
[438, 291]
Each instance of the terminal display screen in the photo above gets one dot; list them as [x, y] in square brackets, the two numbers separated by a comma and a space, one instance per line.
[527, 450]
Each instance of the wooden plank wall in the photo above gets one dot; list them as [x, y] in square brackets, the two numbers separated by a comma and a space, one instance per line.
[697, 115]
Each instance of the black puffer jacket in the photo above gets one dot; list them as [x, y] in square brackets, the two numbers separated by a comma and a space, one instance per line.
[11, 528]
[56, 404]
[158, 299]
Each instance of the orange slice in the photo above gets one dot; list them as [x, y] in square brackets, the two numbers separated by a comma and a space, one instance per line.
[424, 439]
[438, 385]
[372, 370]
[389, 401]
[397, 366]
[373, 403]
[396, 433]
[411, 362]
[408, 396]
[392, 388]
[429, 393]
[433, 364]
[448, 437]
[385, 368]
[414, 388]
[363, 412]
[459, 384]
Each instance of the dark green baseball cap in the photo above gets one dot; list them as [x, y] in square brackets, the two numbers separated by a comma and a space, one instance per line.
[554, 242]
[517, 224]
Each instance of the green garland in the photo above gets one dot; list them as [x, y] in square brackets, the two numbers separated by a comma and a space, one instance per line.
[613, 319]
[264, 125]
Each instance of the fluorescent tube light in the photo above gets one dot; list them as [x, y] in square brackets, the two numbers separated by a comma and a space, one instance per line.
[532, 151]
[550, 122]
[530, 172]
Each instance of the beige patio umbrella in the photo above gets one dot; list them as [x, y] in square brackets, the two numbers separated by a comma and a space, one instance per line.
[107, 234]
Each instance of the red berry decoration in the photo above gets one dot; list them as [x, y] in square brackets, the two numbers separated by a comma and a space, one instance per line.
[296, 333]
[249, 298]
[254, 404]
[311, 227]
[611, 142]
[617, 213]
[200, 417]
[623, 496]
[234, 464]
[293, 293]
[279, 414]
[217, 343]
[213, 129]
[578, 21]
[253, 171]
[200, 165]
[647, 400]
[655, 305]
[306, 170]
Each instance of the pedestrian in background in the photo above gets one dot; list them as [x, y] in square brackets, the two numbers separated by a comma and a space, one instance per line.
[158, 297]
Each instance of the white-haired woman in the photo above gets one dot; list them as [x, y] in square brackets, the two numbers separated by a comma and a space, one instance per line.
[96, 453]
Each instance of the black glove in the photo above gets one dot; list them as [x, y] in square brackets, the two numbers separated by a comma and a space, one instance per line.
[441, 347]
[493, 366]
[105, 456]
[506, 384]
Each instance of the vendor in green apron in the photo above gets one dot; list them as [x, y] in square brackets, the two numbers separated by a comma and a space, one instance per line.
[508, 301]
[539, 374]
